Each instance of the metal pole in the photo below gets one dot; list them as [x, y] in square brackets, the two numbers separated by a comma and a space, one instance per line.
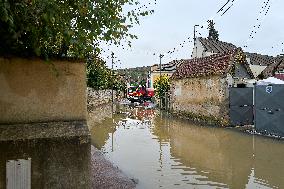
[194, 38]
[194, 31]
[112, 62]
[161, 56]
[160, 65]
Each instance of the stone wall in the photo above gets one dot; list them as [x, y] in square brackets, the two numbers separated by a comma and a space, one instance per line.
[97, 98]
[205, 99]
[32, 90]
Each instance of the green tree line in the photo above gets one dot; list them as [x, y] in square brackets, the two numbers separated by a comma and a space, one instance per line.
[101, 77]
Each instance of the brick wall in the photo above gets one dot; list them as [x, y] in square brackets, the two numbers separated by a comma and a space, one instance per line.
[205, 98]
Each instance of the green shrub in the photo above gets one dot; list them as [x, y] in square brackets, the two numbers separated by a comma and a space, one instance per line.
[162, 85]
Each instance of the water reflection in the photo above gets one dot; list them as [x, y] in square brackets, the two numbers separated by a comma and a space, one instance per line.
[162, 151]
[55, 163]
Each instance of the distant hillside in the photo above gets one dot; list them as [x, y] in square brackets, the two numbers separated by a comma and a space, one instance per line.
[135, 75]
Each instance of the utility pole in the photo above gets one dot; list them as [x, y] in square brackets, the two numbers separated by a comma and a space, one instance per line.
[194, 31]
[194, 38]
[161, 56]
[112, 62]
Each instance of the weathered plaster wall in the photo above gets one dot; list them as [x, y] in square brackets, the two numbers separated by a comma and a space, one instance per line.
[203, 98]
[36, 91]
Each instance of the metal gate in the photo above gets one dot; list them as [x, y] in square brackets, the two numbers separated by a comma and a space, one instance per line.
[241, 106]
[269, 109]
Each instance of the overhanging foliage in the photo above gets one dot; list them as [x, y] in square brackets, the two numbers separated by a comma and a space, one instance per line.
[60, 28]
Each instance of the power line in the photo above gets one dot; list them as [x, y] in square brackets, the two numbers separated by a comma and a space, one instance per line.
[224, 9]
[221, 12]
[221, 9]
[261, 16]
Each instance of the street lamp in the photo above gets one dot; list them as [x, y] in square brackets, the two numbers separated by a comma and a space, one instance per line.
[194, 31]
[112, 62]
[194, 38]
[161, 56]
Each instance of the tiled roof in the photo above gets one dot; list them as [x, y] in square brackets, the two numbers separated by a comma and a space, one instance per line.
[171, 66]
[223, 47]
[215, 46]
[259, 59]
[217, 64]
[280, 66]
[277, 65]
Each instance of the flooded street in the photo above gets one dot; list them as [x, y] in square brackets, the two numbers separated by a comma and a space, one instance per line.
[164, 152]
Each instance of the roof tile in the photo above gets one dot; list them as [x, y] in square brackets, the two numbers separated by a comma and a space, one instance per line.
[215, 46]
[217, 64]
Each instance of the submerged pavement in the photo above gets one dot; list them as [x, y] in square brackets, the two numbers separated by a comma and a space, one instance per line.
[162, 151]
[105, 175]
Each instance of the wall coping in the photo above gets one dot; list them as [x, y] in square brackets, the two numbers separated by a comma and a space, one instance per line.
[44, 130]
[52, 59]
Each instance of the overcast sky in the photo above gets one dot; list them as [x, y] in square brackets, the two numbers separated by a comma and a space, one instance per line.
[173, 21]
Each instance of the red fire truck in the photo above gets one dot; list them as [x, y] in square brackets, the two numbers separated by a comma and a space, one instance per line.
[139, 93]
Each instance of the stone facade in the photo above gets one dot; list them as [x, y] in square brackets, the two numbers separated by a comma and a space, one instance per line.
[203, 98]
[200, 86]
[96, 98]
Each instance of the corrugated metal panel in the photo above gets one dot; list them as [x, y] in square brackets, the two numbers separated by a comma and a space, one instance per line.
[18, 174]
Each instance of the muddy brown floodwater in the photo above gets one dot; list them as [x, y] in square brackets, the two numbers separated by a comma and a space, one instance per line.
[164, 152]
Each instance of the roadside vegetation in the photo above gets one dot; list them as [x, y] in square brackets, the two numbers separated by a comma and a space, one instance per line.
[162, 87]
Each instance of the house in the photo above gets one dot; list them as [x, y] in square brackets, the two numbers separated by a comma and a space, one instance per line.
[166, 69]
[275, 69]
[200, 86]
[205, 47]
[258, 62]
